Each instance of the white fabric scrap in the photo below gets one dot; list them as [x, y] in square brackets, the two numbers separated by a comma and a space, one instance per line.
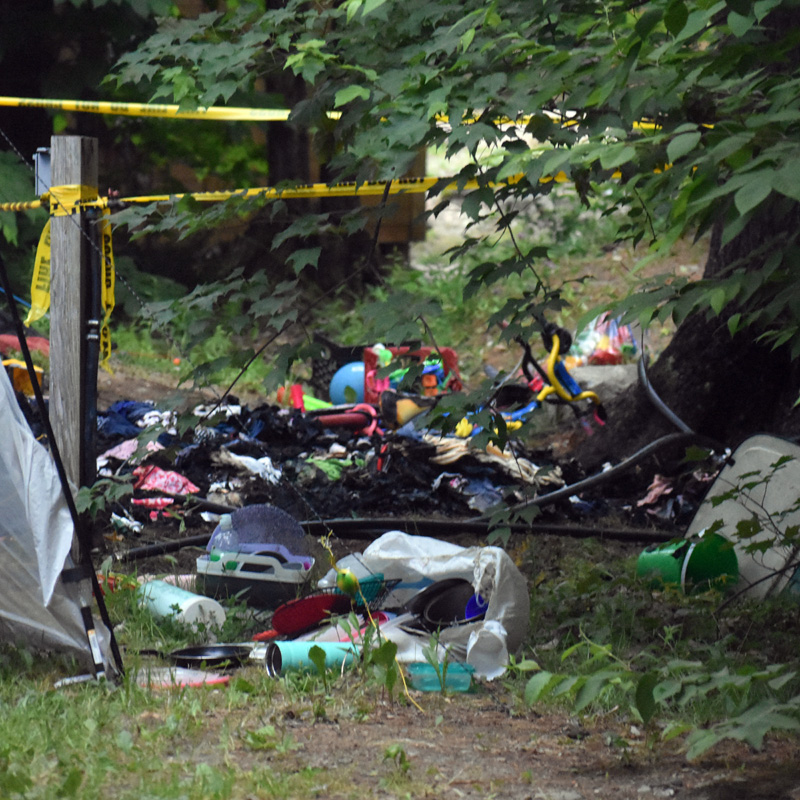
[261, 467]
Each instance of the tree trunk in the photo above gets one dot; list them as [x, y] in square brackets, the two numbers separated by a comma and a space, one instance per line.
[723, 387]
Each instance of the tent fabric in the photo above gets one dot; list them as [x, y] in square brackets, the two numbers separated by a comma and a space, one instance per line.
[36, 608]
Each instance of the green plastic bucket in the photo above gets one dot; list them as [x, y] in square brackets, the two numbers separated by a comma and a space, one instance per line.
[694, 564]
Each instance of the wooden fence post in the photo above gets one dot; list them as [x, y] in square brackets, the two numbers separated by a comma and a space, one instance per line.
[73, 163]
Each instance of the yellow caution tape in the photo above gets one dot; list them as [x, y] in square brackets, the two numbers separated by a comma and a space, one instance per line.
[229, 114]
[240, 113]
[40, 283]
[25, 205]
[66, 200]
[107, 280]
[69, 198]
[308, 190]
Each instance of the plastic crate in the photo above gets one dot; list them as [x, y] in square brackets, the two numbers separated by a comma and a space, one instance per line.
[262, 579]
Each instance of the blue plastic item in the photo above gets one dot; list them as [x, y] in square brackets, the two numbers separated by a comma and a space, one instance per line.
[350, 375]
[476, 608]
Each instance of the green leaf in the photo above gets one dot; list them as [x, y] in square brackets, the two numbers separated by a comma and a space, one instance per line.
[681, 145]
[645, 702]
[537, 685]
[739, 24]
[616, 156]
[753, 192]
[647, 22]
[317, 656]
[593, 688]
[786, 179]
[665, 689]
[778, 683]
[763, 7]
[567, 684]
[694, 453]
[370, 6]
[354, 92]
[675, 17]
[717, 299]
[304, 257]
[733, 323]
[384, 655]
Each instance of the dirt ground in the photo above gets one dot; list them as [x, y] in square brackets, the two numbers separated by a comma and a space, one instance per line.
[483, 744]
[472, 746]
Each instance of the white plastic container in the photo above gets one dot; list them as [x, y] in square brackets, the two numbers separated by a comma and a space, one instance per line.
[225, 536]
[165, 600]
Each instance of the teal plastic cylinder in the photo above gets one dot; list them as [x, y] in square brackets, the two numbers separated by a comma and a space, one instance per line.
[282, 657]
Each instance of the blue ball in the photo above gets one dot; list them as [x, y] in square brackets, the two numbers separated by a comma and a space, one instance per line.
[351, 375]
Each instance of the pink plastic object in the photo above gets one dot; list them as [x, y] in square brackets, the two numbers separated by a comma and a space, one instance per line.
[153, 502]
[368, 429]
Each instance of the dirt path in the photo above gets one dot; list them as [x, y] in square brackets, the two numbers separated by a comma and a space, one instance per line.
[472, 746]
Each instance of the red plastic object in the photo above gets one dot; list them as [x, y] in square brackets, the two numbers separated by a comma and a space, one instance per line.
[299, 615]
[449, 357]
[343, 419]
[297, 397]
[266, 636]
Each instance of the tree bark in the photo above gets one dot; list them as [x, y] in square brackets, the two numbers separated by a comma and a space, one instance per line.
[723, 387]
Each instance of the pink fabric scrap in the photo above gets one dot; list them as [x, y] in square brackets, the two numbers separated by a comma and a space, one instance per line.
[156, 479]
[124, 450]
[153, 502]
[659, 487]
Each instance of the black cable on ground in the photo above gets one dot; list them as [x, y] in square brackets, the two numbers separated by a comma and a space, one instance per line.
[370, 529]
[601, 477]
[657, 401]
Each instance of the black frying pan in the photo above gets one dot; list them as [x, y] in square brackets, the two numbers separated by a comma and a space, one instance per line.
[210, 655]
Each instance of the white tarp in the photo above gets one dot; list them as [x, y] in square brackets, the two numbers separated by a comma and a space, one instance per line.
[419, 561]
[36, 608]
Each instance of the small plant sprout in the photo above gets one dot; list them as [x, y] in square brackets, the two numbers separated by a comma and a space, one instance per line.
[397, 754]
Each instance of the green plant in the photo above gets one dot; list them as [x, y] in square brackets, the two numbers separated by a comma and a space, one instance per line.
[439, 659]
[102, 493]
[397, 755]
[378, 662]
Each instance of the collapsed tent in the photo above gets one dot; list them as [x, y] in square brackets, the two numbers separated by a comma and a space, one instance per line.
[44, 600]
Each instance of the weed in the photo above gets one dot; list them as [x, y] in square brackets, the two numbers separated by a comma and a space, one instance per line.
[397, 754]
[439, 659]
